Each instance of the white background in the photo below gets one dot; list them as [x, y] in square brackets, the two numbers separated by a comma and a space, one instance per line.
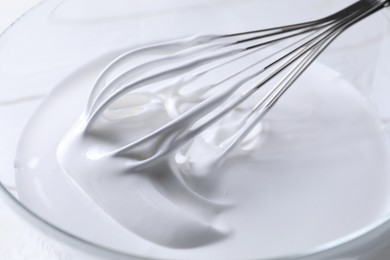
[17, 240]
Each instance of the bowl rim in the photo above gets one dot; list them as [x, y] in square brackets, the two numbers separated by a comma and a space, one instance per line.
[76, 242]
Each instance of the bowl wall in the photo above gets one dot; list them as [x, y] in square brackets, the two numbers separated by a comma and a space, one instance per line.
[57, 36]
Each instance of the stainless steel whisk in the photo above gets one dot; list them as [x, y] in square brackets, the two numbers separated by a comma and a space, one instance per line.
[187, 61]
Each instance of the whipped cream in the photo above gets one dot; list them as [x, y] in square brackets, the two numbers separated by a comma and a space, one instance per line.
[313, 171]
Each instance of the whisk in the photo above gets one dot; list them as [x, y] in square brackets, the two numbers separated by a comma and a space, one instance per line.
[287, 51]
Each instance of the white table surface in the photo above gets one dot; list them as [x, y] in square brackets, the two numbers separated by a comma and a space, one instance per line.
[18, 241]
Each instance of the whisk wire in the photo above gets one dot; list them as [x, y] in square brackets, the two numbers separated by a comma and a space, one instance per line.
[309, 40]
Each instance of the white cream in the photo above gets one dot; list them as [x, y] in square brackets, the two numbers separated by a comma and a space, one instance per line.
[314, 171]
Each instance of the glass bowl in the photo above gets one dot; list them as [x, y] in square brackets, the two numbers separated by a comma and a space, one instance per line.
[57, 36]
